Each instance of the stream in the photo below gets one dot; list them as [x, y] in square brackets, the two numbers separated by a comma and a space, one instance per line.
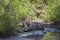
[32, 35]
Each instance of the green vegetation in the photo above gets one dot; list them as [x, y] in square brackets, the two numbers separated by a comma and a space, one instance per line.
[48, 9]
[52, 36]
[52, 10]
[8, 22]
[12, 12]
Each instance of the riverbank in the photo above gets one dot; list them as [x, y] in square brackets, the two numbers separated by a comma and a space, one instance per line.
[34, 32]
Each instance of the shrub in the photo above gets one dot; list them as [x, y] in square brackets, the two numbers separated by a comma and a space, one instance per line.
[8, 22]
[51, 12]
[12, 12]
[51, 36]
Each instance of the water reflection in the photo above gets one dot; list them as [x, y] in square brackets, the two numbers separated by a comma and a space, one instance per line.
[31, 37]
[35, 37]
[47, 34]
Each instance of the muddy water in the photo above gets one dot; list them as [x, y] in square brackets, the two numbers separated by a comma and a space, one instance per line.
[33, 35]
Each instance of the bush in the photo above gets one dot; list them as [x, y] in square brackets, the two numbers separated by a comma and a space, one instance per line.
[51, 12]
[8, 22]
[26, 10]
[51, 36]
[12, 12]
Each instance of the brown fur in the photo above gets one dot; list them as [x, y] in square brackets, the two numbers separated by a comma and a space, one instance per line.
[27, 23]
